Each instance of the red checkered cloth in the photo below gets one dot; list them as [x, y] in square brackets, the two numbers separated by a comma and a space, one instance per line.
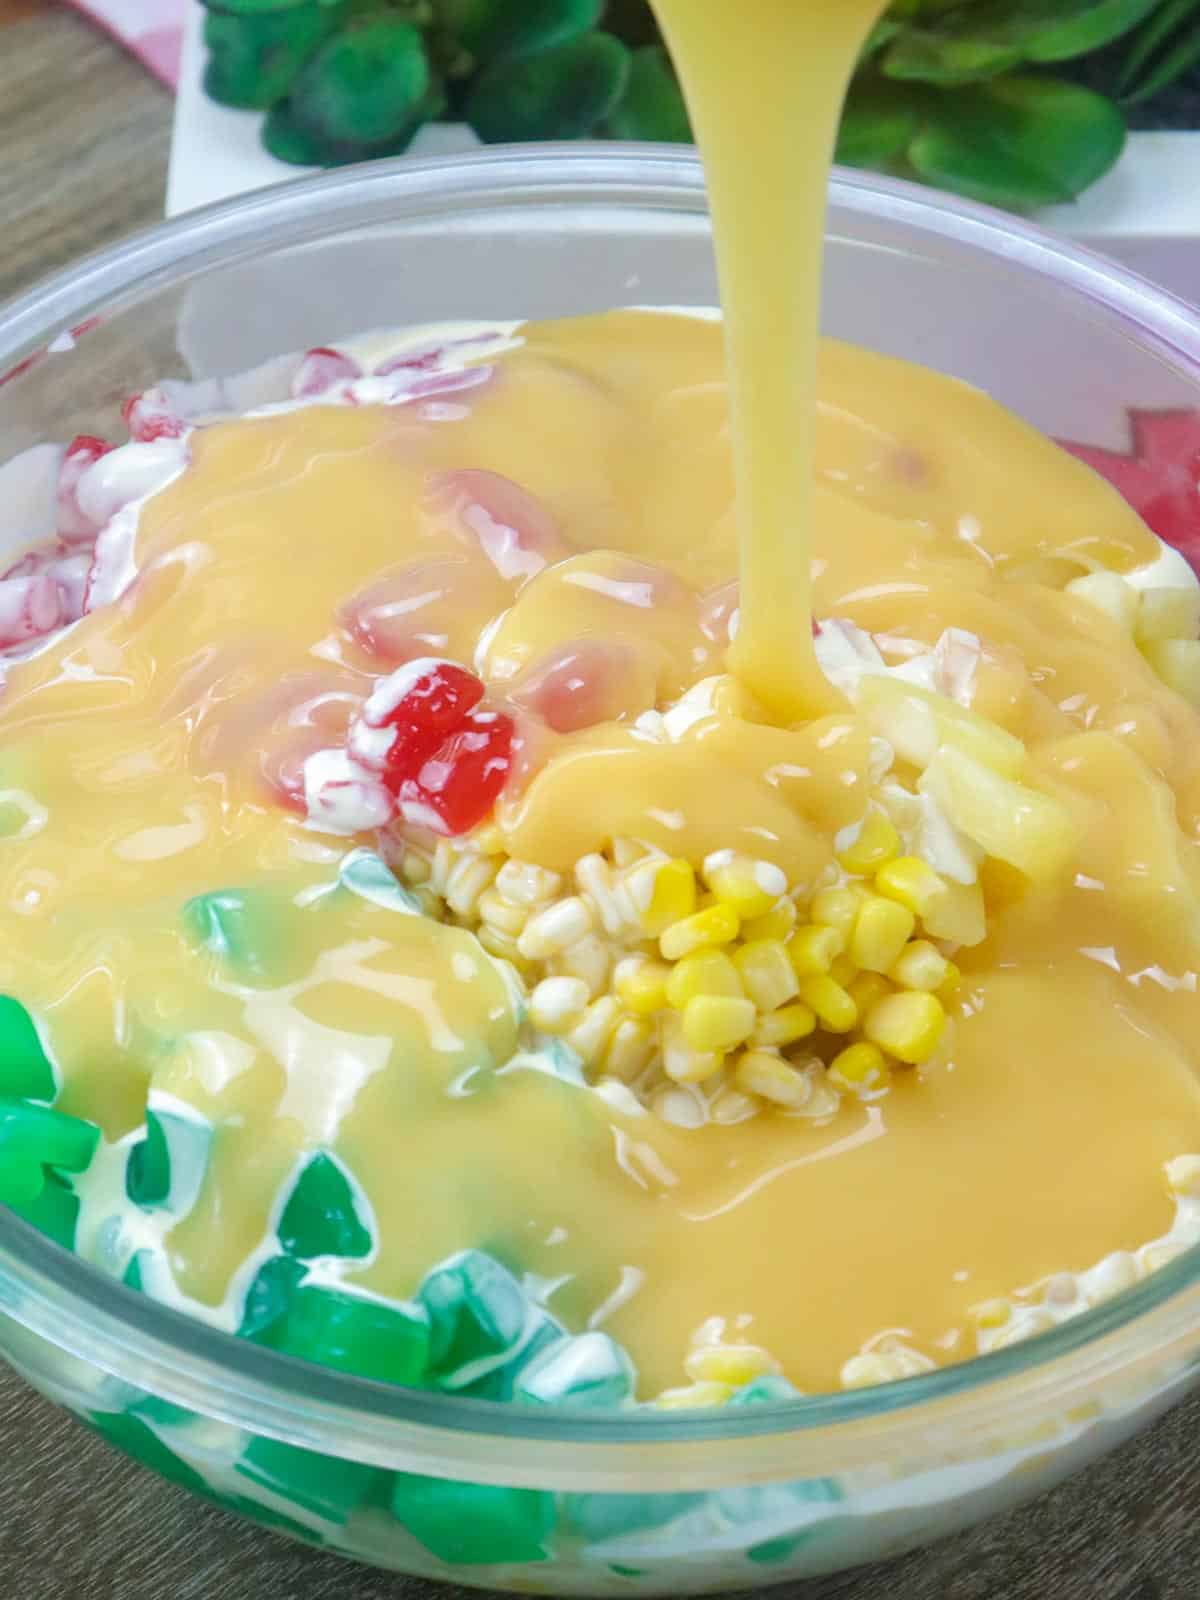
[151, 29]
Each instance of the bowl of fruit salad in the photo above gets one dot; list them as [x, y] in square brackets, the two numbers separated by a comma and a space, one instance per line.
[479, 1094]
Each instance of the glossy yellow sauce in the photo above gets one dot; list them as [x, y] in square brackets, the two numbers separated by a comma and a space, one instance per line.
[1033, 1143]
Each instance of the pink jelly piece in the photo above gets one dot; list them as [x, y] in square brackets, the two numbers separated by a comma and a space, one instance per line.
[458, 786]
[515, 531]
[432, 707]
[429, 358]
[149, 415]
[82, 452]
[411, 611]
[321, 370]
[1159, 477]
[585, 682]
[30, 608]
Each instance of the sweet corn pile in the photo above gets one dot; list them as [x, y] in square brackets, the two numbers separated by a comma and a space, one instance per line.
[717, 989]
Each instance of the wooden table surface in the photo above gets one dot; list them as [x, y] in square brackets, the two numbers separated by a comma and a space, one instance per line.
[83, 151]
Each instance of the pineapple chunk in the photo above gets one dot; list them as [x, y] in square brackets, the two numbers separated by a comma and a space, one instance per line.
[958, 916]
[1008, 820]
[1177, 662]
[1108, 592]
[916, 722]
[1168, 614]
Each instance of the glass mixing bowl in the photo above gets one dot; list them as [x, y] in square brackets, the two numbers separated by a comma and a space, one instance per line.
[569, 1503]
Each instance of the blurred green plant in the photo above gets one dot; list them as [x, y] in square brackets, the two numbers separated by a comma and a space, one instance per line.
[958, 93]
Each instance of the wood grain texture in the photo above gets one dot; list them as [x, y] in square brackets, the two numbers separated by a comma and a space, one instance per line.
[84, 139]
[83, 148]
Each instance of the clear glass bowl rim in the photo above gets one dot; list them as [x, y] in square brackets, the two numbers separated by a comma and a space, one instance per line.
[60, 1298]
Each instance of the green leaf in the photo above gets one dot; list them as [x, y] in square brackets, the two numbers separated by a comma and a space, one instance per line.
[1019, 142]
[502, 30]
[254, 60]
[879, 122]
[1135, 87]
[652, 106]
[558, 94]
[365, 87]
[976, 42]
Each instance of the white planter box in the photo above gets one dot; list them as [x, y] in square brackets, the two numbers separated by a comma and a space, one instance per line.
[1146, 212]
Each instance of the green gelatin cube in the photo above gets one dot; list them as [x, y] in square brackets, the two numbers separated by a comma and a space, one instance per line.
[321, 1217]
[557, 94]
[355, 1333]
[144, 1445]
[33, 1137]
[25, 1069]
[477, 1314]
[767, 1390]
[284, 139]
[326, 1485]
[254, 8]
[133, 1276]
[166, 1169]
[269, 1298]
[244, 927]
[55, 1211]
[253, 60]
[368, 875]
[500, 1382]
[590, 1369]
[598, 1518]
[474, 1524]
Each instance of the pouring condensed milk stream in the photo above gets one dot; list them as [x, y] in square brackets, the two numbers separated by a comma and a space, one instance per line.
[550, 507]
[765, 83]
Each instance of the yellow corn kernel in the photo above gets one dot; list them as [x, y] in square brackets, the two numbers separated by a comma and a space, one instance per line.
[882, 929]
[920, 965]
[732, 1364]
[991, 1314]
[704, 930]
[843, 971]
[426, 899]
[766, 973]
[868, 989]
[837, 908]
[834, 1008]
[774, 924]
[860, 1066]
[706, 972]
[641, 984]
[958, 915]
[908, 1026]
[911, 882]
[718, 1022]
[814, 948]
[590, 1035]
[504, 946]
[695, 1396]
[950, 984]
[664, 892]
[876, 845]
[750, 887]
[785, 1026]
[415, 868]
[500, 913]
[730, 1106]
[557, 1004]
[681, 1062]
[488, 840]
[630, 1047]
[759, 1073]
